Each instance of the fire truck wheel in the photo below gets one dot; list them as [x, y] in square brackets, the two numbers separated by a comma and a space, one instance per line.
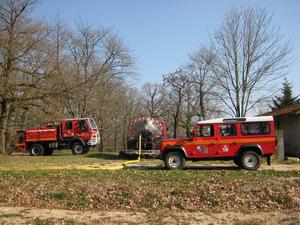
[174, 160]
[37, 150]
[251, 160]
[122, 154]
[48, 151]
[77, 149]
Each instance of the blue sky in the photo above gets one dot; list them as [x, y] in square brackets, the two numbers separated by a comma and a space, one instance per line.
[161, 33]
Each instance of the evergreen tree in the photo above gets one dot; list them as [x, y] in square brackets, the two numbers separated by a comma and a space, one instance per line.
[287, 97]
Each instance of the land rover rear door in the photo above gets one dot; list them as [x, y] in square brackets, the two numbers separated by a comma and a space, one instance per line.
[228, 141]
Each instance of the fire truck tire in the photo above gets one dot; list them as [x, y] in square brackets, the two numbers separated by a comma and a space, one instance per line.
[174, 160]
[48, 151]
[78, 148]
[37, 150]
[122, 154]
[86, 150]
[250, 160]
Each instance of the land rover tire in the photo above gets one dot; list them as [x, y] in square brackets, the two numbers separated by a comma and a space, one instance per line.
[237, 161]
[78, 148]
[36, 150]
[250, 160]
[174, 160]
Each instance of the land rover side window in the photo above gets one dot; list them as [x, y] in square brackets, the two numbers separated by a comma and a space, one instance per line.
[227, 130]
[206, 131]
[256, 128]
[69, 125]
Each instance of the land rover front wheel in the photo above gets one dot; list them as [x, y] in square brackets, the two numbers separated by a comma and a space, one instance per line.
[237, 161]
[78, 149]
[174, 160]
[251, 160]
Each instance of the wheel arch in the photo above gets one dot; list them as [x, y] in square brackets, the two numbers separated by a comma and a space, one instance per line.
[175, 149]
[76, 140]
[251, 147]
[42, 143]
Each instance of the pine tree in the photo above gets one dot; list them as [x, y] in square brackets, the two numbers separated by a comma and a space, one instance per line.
[287, 97]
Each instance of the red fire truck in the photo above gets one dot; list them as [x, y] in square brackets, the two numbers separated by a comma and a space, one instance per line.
[243, 140]
[75, 134]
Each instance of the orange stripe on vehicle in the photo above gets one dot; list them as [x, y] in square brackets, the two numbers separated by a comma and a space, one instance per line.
[41, 139]
[261, 140]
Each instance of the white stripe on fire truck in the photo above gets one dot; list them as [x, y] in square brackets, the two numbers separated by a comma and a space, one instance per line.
[31, 131]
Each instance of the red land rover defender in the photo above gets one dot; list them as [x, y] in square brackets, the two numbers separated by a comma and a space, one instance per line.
[244, 140]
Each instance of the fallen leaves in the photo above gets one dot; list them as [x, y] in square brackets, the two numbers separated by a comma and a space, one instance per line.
[148, 191]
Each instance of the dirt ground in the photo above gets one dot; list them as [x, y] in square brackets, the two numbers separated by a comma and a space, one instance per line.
[20, 215]
[154, 165]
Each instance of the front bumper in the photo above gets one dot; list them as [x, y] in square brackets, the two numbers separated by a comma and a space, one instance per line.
[94, 141]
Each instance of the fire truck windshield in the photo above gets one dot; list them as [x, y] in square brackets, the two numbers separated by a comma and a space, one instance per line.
[93, 124]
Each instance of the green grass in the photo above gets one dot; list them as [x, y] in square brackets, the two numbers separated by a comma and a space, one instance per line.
[251, 222]
[289, 162]
[60, 195]
[9, 215]
[39, 221]
[22, 161]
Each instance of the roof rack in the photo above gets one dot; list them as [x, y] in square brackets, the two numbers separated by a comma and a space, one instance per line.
[238, 119]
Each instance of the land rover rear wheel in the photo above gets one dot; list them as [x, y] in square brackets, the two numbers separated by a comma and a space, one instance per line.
[250, 160]
[174, 160]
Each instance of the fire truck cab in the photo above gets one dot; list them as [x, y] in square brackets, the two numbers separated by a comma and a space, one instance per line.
[243, 140]
[76, 134]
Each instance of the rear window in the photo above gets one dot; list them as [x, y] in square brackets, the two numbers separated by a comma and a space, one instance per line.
[257, 128]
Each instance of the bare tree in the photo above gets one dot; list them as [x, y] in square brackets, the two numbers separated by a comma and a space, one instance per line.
[153, 99]
[249, 54]
[175, 83]
[99, 57]
[24, 54]
[189, 107]
[200, 70]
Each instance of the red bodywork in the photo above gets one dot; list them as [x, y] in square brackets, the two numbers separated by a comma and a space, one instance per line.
[60, 136]
[220, 146]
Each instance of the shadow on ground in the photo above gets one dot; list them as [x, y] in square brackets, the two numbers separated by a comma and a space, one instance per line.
[107, 156]
[185, 168]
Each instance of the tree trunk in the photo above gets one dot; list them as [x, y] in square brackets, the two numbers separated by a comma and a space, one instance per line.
[202, 106]
[5, 106]
[175, 127]
[115, 140]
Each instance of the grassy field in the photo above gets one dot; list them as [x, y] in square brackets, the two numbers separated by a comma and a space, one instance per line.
[22, 161]
[151, 190]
